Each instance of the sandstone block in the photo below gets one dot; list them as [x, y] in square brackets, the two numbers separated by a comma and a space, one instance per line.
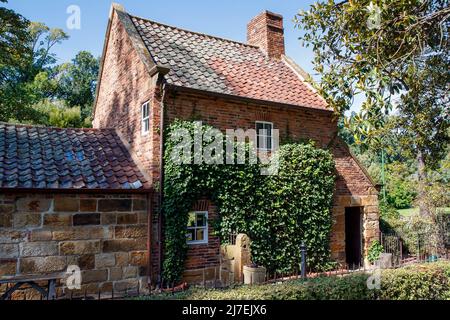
[79, 247]
[6, 220]
[12, 236]
[121, 286]
[38, 249]
[86, 261]
[126, 232]
[105, 260]
[9, 250]
[8, 267]
[115, 274]
[86, 233]
[127, 218]
[86, 219]
[88, 205]
[130, 272]
[114, 205]
[40, 235]
[34, 204]
[27, 220]
[90, 276]
[138, 258]
[108, 218]
[124, 245]
[42, 265]
[57, 220]
[139, 205]
[67, 204]
[122, 259]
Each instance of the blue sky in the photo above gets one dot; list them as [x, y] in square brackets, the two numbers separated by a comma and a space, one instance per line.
[224, 18]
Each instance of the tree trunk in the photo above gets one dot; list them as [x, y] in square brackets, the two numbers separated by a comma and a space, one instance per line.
[422, 177]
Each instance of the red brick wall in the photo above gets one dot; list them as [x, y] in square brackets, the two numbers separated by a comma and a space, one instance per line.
[266, 31]
[205, 255]
[125, 86]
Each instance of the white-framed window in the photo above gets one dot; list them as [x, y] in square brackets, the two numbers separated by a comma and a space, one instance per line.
[264, 135]
[197, 228]
[145, 115]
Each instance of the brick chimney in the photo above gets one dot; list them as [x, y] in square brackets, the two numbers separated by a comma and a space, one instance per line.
[266, 31]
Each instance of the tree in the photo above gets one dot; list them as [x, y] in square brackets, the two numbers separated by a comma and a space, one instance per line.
[27, 77]
[77, 82]
[13, 38]
[396, 55]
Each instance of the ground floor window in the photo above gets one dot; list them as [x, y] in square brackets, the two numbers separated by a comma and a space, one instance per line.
[197, 228]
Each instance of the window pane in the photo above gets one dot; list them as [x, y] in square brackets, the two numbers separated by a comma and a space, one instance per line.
[269, 143]
[191, 219]
[200, 235]
[190, 235]
[145, 110]
[201, 220]
[259, 126]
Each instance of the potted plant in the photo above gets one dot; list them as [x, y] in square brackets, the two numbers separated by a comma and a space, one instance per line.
[254, 274]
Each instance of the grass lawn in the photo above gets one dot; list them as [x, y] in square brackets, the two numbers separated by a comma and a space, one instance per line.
[411, 211]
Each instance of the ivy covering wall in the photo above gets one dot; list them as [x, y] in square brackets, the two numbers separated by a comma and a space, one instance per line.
[278, 212]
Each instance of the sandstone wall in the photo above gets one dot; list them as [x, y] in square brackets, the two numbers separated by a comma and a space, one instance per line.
[105, 235]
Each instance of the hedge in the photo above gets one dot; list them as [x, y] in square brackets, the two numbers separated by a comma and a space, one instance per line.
[418, 282]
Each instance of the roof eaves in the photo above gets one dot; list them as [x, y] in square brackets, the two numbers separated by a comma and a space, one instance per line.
[76, 191]
[245, 99]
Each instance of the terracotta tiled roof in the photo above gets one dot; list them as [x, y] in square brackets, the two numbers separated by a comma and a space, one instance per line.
[50, 158]
[208, 63]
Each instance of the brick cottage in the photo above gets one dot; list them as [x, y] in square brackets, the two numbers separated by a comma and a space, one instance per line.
[94, 210]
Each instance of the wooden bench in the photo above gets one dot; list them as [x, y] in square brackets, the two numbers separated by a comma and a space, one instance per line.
[49, 292]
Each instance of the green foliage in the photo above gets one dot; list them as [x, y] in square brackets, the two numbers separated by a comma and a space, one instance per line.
[13, 39]
[418, 282]
[375, 250]
[401, 187]
[403, 57]
[430, 282]
[277, 212]
[29, 76]
[77, 82]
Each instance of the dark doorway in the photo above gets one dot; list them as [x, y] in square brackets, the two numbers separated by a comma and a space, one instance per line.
[353, 236]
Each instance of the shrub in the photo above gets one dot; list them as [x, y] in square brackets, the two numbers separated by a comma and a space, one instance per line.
[427, 281]
[375, 250]
[421, 282]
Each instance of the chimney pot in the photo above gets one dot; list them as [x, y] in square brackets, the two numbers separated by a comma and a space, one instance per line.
[266, 31]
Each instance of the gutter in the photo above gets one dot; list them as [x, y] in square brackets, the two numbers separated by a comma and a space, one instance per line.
[149, 240]
[161, 184]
